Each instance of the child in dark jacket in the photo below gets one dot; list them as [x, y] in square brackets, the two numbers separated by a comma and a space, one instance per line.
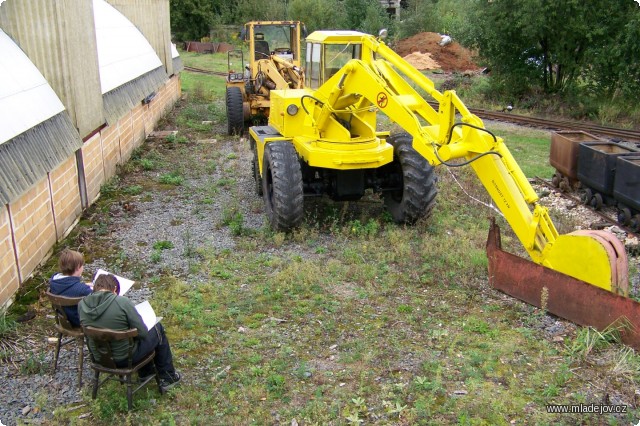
[68, 282]
[105, 309]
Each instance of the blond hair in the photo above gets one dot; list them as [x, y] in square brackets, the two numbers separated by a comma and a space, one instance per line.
[70, 261]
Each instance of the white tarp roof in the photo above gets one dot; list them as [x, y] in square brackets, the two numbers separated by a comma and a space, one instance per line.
[26, 99]
[124, 54]
[174, 51]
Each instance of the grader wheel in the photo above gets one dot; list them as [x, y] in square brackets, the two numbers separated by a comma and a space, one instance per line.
[282, 186]
[235, 115]
[417, 191]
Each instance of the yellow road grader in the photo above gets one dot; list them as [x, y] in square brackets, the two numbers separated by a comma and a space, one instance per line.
[273, 63]
[323, 140]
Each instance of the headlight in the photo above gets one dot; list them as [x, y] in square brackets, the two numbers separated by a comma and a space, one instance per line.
[236, 76]
[292, 109]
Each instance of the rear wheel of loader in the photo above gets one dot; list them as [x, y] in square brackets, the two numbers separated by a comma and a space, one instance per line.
[417, 181]
[235, 116]
[282, 186]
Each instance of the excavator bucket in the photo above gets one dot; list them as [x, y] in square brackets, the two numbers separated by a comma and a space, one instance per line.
[563, 295]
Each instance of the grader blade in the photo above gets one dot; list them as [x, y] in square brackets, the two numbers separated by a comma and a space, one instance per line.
[561, 295]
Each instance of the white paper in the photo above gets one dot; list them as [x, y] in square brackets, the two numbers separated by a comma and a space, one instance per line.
[148, 314]
[125, 284]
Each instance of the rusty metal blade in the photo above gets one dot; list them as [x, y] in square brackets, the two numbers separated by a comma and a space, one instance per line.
[564, 296]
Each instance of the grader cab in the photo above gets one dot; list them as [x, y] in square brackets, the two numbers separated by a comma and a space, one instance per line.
[273, 62]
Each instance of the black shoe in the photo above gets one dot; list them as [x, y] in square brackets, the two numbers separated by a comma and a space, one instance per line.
[167, 383]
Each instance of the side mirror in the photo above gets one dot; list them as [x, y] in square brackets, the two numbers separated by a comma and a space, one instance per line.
[304, 31]
[243, 34]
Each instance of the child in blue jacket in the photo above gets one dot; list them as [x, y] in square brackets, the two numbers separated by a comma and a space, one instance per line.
[68, 282]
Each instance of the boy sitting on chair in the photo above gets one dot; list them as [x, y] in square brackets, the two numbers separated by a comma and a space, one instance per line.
[105, 309]
[68, 282]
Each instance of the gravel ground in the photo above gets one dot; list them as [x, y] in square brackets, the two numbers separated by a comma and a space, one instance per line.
[182, 217]
[178, 216]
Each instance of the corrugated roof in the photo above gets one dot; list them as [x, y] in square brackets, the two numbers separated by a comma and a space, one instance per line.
[26, 99]
[124, 54]
[177, 61]
[124, 98]
[27, 158]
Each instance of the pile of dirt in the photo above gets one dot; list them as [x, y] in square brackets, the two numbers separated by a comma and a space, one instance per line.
[424, 52]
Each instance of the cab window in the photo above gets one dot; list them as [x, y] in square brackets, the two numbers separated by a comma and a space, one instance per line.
[337, 55]
[313, 64]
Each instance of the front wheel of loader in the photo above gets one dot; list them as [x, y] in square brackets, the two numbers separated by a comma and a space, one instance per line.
[235, 114]
[415, 182]
[282, 186]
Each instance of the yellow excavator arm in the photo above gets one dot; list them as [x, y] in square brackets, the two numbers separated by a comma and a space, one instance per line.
[381, 81]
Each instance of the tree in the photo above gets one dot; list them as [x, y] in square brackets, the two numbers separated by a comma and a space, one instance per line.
[317, 14]
[191, 19]
[241, 11]
[615, 62]
[364, 15]
[543, 43]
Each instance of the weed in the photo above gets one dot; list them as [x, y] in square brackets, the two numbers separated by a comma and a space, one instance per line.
[34, 364]
[233, 218]
[163, 245]
[110, 188]
[174, 138]
[147, 164]
[225, 182]
[589, 339]
[173, 178]
[276, 385]
[133, 190]
[7, 325]
[155, 256]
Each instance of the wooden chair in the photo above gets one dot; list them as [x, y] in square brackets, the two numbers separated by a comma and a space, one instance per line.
[65, 329]
[102, 360]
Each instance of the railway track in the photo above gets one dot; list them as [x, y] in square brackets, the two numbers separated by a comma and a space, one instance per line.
[613, 133]
[201, 71]
[608, 132]
[606, 218]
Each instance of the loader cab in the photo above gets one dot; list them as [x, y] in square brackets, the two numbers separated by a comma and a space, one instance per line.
[327, 52]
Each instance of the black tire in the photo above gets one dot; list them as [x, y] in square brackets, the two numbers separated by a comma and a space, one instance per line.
[235, 114]
[282, 186]
[586, 196]
[256, 170]
[624, 215]
[417, 198]
[597, 201]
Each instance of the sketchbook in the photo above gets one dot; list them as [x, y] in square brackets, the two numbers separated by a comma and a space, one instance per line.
[125, 284]
[148, 314]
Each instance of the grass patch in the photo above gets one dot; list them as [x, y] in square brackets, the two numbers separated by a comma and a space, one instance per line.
[350, 319]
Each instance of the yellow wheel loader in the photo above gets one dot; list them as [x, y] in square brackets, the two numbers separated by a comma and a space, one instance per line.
[273, 63]
[323, 140]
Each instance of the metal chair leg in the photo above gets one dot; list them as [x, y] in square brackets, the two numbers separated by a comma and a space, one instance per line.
[157, 375]
[80, 342]
[57, 353]
[129, 392]
[96, 383]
